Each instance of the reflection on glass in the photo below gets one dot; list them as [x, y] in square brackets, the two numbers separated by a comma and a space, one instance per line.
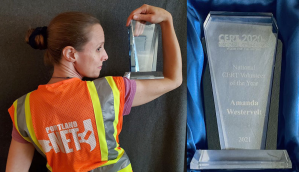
[143, 46]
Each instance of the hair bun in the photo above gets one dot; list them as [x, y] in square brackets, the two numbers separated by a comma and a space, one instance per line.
[37, 38]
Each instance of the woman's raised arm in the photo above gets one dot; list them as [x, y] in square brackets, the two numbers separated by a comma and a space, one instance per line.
[148, 90]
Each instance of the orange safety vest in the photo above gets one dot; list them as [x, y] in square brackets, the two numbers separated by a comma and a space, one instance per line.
[75, 124]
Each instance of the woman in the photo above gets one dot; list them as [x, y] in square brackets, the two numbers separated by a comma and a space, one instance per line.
[74, 123]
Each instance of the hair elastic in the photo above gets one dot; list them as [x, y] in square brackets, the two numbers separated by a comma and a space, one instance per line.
[38, 31]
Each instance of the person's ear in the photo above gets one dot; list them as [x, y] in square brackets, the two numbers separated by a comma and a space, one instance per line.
[68, 53]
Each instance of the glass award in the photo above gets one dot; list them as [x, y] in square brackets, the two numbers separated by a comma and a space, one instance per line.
[241, 50]
[143, 38]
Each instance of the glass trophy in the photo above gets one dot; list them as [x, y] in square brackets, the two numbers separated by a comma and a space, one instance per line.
[143, 39]
[241, 50]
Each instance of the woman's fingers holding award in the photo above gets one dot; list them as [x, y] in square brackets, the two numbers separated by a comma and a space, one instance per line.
[149, 14]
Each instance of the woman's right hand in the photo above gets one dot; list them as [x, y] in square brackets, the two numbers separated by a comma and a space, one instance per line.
[147, 13]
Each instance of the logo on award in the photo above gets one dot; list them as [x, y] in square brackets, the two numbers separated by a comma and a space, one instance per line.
[241, 42]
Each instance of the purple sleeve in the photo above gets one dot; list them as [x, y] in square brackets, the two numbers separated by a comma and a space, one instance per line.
[17, 137]
[130, 87]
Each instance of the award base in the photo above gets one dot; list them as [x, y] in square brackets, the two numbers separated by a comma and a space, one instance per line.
[144, 75]
[241, 159]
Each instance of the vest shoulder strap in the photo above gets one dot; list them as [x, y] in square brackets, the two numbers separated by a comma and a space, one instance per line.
[20, 118]
[23, 122]
[111, 94]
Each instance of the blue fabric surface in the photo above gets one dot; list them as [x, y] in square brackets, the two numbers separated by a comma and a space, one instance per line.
[286, 13]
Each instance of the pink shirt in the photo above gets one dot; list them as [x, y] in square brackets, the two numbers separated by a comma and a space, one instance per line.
[130, 86]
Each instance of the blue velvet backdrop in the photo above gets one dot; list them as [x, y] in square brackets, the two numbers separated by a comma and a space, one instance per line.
[286, 13]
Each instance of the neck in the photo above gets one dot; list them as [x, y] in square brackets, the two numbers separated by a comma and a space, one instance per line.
[64, 71]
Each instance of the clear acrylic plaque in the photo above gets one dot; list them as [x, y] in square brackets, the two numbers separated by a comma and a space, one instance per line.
[143, 38]
[241, 51]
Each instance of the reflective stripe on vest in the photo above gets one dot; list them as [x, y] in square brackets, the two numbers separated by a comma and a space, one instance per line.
[19, 117]
[23, 122]
[105, 99]
[120, 164]
[110, 112]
